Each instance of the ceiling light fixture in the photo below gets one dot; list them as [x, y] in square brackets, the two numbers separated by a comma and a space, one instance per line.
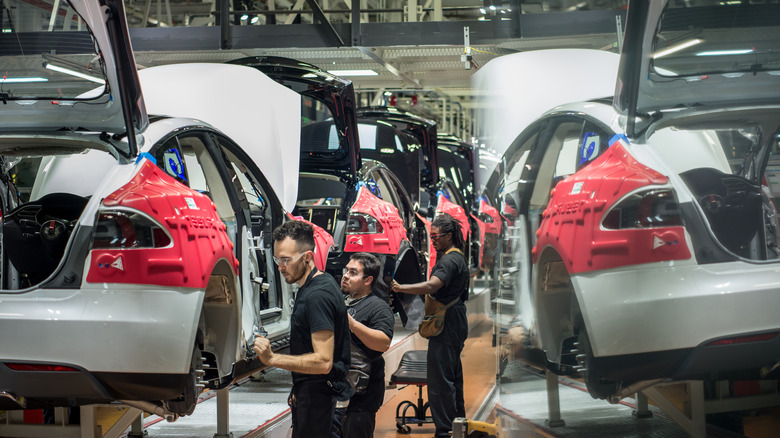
[725, 52]
[353, 72]
[21, 80]
[68, 71]
[677, 48]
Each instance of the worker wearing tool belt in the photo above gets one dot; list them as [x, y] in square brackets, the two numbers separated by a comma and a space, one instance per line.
[449, 281]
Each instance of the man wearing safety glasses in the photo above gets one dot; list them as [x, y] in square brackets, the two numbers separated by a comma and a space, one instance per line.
[319, 334]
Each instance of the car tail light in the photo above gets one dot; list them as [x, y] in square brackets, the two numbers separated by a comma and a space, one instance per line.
[128, 229]
[654, 208]
[486, 218]
[359, 223]
[744, 339]
[38, 367]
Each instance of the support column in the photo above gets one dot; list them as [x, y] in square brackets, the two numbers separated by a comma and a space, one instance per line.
[411, 10]
[88, 422]
[437, 14]
[223, 414]
[553, 402]
[137, 428]
[642, 409]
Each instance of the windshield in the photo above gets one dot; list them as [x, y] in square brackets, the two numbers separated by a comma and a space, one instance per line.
[717, 37]
[55, 57]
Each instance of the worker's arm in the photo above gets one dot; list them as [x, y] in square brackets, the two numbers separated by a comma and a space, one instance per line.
[318, 362]
[374, 339]
[423, 288]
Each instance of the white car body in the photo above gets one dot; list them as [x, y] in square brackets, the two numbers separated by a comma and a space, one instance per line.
[653, 250]
[136, 255]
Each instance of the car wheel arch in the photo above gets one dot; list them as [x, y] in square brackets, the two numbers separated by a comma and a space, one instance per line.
[555, 304]
[221, 317]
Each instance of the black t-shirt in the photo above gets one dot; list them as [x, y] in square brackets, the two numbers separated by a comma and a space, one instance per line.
[319, 305]
[374, 313]
[452, 270]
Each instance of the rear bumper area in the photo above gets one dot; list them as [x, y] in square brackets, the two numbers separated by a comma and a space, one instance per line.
[676, 306]
[124, 341]
[740, 361]
[72, 388]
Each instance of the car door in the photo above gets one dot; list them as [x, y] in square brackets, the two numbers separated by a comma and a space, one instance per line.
[266, 298]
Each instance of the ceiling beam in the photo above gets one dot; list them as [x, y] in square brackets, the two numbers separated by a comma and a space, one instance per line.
[550, 25]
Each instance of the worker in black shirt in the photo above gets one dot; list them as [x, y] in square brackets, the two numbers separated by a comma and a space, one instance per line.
[319, 334]
[449, 281]
[371, 323]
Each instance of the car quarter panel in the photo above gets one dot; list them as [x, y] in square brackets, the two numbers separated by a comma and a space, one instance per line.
[571, 223]
[387, 242]
[198, 234]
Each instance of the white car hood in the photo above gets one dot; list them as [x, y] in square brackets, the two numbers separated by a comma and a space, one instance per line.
[260, 115]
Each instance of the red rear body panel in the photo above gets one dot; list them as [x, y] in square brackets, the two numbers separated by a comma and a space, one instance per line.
[386, 242]
[323, 241]
[199, 237]
[444, 205]
[572, 221]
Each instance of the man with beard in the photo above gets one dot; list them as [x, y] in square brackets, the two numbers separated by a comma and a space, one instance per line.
[319, 334]
[449, 282]
[371, 323]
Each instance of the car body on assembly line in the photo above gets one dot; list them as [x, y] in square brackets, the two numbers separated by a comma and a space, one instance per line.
[358, 200]
[149, 235]
[647, 224]
[407, 144]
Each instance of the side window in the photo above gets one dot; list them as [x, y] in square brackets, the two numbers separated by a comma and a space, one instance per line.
[521, 175]
[397, 198]
[204, 177]
[378, 185]
[561, 146]
[169, 158]
[249, 189]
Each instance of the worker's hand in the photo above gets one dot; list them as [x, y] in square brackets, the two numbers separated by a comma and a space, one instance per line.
[351, 321]
[263, 349]
[395, 286]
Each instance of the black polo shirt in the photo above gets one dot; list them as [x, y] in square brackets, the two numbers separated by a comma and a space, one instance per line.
[319, 305]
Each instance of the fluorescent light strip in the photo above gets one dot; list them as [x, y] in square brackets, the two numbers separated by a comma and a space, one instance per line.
[725, 52]
[21, 80]
[75, 73]
[677, 48]
[353, 72]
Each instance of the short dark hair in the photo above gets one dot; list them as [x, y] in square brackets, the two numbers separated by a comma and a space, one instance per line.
[370, 264]
[448, 224]
[299, 231]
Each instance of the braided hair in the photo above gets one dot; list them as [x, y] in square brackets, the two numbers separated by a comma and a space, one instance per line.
[448, 224]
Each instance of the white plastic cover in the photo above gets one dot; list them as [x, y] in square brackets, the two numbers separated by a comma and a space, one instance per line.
[260, 115]
[514, 90]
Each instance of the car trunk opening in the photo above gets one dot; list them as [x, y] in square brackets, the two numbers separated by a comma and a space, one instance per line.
[731, 165]
[44, 194]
